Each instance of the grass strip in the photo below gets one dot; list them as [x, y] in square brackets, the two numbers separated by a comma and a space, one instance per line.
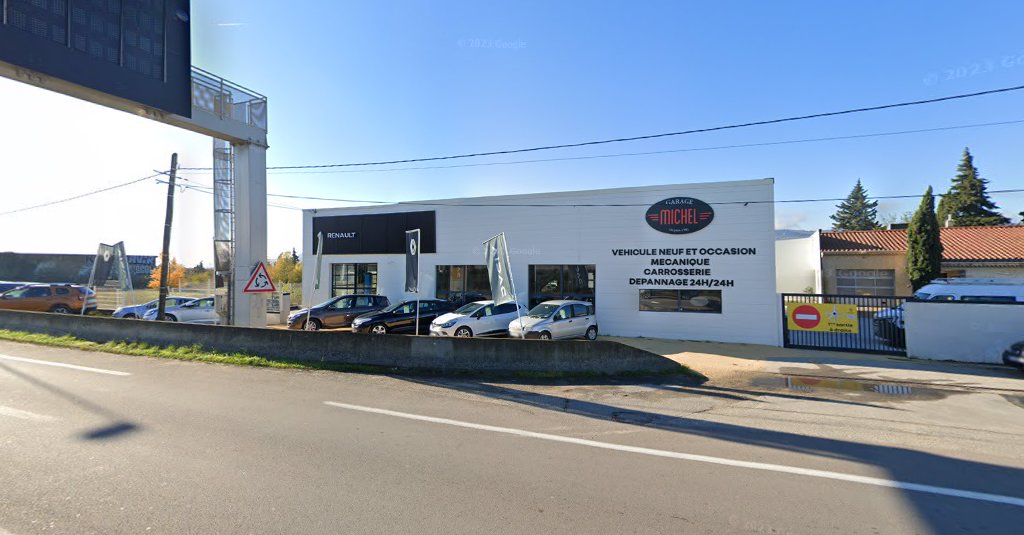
[197, 353]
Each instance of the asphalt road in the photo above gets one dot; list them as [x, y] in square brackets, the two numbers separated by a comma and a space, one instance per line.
[136, 445]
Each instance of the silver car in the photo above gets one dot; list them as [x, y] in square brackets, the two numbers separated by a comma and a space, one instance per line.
[553, 320]
[139, 311]
[194, 311]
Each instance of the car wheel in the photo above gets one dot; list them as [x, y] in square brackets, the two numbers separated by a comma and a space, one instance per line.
[463, 332]
[379, 328]
[592, 333]
[312, 325]
[60, 309]
[129, 316]
[170, 317]
[545, 335]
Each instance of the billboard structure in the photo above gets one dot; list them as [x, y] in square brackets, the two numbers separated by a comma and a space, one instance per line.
[135, 56]
[137, 50]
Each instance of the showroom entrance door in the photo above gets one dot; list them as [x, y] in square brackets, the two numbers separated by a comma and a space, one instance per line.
[562, 281]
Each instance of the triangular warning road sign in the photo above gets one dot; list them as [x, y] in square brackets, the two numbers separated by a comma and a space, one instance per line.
[260, 281]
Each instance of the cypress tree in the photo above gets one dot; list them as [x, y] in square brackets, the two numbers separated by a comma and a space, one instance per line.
[856, 212]
[924, 249]
[967, 203]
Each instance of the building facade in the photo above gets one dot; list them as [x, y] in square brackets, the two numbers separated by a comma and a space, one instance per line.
[874, 262]
[684, 261]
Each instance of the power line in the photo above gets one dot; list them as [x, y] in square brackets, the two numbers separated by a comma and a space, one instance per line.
[209, 191]
[669, 151]
[580, 205]
[76, 197]
[656, 136]
[597, 205]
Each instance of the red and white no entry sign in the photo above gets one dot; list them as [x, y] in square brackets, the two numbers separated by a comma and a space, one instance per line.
[806, 317]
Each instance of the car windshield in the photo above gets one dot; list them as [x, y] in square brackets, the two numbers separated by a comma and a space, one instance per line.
[542, 310]
[921, 296]
[469, 308]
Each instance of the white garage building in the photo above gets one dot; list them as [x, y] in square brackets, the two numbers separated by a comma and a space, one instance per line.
[682, 261]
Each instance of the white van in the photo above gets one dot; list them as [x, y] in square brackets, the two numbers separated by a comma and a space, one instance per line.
[976, 290]
[888, 323]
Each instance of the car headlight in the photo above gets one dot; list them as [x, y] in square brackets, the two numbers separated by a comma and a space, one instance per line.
[448, 324]
[358, 321]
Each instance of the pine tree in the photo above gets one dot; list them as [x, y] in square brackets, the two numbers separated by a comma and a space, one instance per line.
[856, 212]
[924, 248]
[967, 203]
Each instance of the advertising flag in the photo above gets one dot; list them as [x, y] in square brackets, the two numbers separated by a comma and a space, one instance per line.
[319, 259]
[412, 261]
[498, 270]
[106, 257]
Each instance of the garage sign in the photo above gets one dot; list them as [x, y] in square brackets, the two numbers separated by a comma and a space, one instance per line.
[679, 215]
[829, 318]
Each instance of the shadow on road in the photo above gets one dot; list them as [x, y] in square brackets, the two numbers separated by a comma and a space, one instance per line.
[117, 426]
[943, 514]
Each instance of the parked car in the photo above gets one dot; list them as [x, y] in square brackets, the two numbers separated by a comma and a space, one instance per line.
[552, 320]
[59, 298]
[401, 317]
[138, 311]
[8, 285]
[480, 318]
[888, 324]
[337, 312]
[1014, 356]
[194, 311]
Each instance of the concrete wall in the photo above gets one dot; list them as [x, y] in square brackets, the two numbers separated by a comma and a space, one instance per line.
[568, 234]
[968, 332]
[392, 351]
[798, 264]
[894, 261]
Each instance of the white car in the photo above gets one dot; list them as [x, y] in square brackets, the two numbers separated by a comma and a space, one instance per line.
[479, 318]
[195, 311]
[552, 320]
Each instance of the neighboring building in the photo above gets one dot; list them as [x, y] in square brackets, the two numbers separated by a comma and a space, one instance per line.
[797, 261]
[873, 262]
[684, 261]
[71, 268]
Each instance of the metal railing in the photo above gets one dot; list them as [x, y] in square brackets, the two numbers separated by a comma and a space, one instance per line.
[228, 100]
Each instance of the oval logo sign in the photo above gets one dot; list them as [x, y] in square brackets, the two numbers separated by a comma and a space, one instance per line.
[680, 215]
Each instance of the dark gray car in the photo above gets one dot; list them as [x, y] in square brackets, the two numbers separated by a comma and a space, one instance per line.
[336, 313]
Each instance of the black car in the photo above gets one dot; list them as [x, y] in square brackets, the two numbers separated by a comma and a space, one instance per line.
[401, 317]
[337, 312]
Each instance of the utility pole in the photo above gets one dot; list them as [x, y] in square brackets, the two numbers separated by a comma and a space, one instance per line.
[164, 256]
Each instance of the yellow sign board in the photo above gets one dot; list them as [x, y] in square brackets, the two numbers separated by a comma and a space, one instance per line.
[829, 318]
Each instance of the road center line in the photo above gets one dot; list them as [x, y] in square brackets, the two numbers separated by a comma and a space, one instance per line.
[63, 365]
[823, 474]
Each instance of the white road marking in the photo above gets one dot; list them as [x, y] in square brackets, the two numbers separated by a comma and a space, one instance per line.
[805, 316]
[63, 365]
[24, 415]
[824, 474]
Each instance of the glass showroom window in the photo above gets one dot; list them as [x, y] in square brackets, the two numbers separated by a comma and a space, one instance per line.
[866, 281]
[353, 279]
[462, 283]
[702, 301]
[571, 281]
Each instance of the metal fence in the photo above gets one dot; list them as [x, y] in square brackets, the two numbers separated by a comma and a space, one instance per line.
[855, 323]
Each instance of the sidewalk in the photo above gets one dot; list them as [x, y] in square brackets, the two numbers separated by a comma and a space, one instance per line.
[722, 362]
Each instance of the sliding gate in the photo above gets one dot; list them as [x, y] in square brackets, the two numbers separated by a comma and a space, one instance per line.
[856, 323]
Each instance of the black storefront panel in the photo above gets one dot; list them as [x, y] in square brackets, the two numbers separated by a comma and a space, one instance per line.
[375, 233]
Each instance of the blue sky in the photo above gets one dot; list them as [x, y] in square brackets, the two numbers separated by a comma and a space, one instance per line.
[363, 81]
